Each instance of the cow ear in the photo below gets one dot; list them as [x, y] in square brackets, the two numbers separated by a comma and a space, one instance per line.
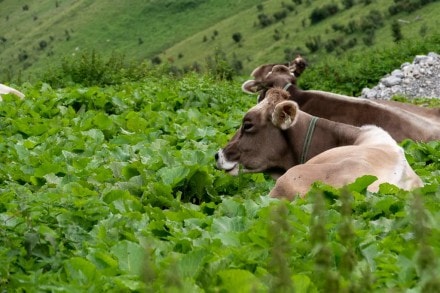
[285, 114]
[298, 66]
[251, 86]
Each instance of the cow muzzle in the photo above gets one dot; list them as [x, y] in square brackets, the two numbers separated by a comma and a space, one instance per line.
[223, 164]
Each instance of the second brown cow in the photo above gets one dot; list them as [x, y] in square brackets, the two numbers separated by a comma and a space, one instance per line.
[401, 120]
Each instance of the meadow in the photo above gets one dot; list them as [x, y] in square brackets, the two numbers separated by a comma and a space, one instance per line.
[113, 189]
[108, 183]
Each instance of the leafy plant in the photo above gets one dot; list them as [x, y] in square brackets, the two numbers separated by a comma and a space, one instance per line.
[113, 188]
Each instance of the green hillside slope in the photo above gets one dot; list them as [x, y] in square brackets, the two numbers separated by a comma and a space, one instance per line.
[186, 33]
[366, 25]
[38, 33]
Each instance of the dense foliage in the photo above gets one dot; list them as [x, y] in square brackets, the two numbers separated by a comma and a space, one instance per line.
[113, 188]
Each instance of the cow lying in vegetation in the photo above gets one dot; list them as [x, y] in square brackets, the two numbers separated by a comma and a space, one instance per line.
[4, 89]
[401, 120]
[277, 138]
[297, 67]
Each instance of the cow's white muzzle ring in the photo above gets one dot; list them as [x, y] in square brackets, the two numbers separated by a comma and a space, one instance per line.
[223, 164]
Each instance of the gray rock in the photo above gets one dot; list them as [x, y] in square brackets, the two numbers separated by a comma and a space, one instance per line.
[372, 94]
[421, 78]
[419, 58]
[391, 81]
[397, 73]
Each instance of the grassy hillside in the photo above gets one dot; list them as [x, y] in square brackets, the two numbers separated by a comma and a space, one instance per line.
[282, 39]
[35, 34]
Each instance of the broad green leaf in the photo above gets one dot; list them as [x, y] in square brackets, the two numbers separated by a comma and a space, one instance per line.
[231, 208]
[135, 122]
[126, 282]
[122, 201]
[104, 261]
[227, 224]
[236, 280]
[81, 270]
[386, 188]
[173, 175]
[102, 121]
[131, 257]
[362, 183]
[191, 264]
[96, 135]
[302, 283]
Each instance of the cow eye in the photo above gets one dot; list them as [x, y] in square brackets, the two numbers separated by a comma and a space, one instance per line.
[248, 126]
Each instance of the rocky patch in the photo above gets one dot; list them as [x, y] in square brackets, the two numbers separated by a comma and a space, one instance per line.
[419, 79]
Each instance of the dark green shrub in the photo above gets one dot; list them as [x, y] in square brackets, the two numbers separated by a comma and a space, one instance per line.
[373, 20]
[264, 20]
[280, 15]
[90, 68]
[407, 6]
[314, 44]
[338, 27]
[237, 37]
[396, 31]
[277, 35]
[22, 56]
[332, 44]
[319, 14]
[368, 39]
[351, 27]
[350, 44]
[288, 7]
[42, 44]
[348, 3]
[156, 60]
[219, 67]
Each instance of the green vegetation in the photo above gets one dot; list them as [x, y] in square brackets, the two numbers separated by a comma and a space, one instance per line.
[108, 184]
[112, 187]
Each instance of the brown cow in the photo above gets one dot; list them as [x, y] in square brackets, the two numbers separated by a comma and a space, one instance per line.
[399, 119]
[296, 68]
[276, 136]
[4, 89]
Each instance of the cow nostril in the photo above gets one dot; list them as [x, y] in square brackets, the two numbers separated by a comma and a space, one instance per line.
[216, 156]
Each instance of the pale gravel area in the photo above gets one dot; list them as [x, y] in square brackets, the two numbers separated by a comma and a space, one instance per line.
[419, 79]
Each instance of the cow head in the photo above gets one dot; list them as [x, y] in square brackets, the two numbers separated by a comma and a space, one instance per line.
[279, 76]
[260, 74]
[260, 144]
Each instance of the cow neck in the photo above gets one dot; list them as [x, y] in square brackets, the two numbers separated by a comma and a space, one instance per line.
[312, 136]
[287, 86]
[308, 139]
[296, 94]
[301, 139]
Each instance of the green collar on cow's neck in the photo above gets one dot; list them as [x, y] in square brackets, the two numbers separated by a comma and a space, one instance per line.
[308, 140]
[286, 87]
